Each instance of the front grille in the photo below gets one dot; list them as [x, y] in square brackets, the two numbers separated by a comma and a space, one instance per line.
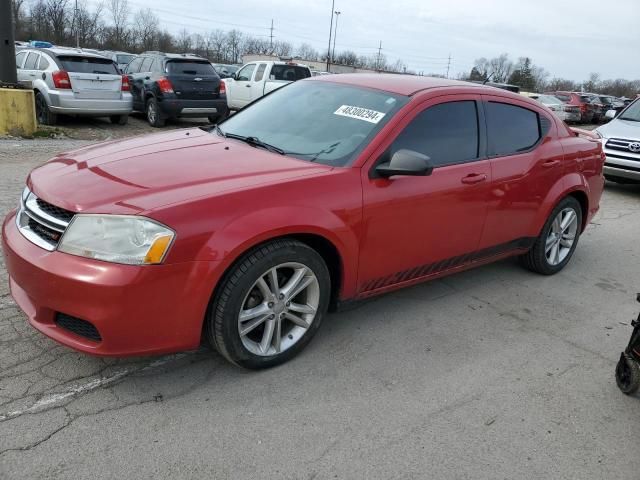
[42, 223]
[44, 232]
[78, 326]
[57, 212]
[622, 145]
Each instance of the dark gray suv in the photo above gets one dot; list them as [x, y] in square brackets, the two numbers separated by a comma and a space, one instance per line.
[167, 85]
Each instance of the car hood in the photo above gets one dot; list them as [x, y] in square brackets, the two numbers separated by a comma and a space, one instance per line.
[620, 129]
[144, 173]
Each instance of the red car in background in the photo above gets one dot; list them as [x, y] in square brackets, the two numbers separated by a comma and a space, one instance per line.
[326, 191]
[588, 111]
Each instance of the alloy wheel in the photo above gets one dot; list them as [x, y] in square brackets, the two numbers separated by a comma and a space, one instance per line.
[151, 112]
[279, 309]
[562, 236]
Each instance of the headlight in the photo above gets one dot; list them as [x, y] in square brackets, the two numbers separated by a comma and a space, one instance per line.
[117, 238]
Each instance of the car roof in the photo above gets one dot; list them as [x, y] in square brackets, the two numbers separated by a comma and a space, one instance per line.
[57, 51]
[405, 84]
[173, 56]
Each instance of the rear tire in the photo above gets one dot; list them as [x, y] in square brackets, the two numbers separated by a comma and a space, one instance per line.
[256, 325]
[119, 119]
[556, 244]
[153, 113]
[43, 113]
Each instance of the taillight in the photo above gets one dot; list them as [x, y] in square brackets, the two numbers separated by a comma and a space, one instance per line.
[61, 79]
[165, 85]
[223, 88]
[125, 83]
[583, 107]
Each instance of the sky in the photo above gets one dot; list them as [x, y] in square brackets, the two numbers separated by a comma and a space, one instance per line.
[570, 39]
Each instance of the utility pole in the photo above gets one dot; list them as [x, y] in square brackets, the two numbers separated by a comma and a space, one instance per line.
[448, 65]
[270, 37]
[333, 7]
[335, 35]
[75, 16]
[8, 72]
[378, 60]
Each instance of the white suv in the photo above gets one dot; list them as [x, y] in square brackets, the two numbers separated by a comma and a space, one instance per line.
[72, 82]
[621, 140]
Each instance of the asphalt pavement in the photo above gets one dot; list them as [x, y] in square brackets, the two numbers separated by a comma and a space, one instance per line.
[495, 373]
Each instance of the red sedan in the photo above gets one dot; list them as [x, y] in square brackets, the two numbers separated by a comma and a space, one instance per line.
[326, 191]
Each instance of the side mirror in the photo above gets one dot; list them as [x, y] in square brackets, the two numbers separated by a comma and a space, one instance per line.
[610, 115]
[405, 162]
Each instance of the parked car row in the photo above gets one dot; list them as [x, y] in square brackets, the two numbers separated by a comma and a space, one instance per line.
[592, 107]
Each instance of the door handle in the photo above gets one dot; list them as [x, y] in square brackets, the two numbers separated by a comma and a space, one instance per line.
[248, 86]
[551, 163]
[474, 178]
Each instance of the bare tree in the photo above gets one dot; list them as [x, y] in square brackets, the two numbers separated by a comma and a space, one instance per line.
[217, 39]
[57, 13]
[18, 18]
[234, 41]
[89, 25]
[183, 42]
[307, 52]
[120, 17]
[146, 29]
[500, 68]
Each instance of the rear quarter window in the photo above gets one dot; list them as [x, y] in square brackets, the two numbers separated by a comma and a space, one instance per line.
[511, 129]
[77, 64]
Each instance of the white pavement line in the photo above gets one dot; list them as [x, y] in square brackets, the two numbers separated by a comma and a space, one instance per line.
[56, 398]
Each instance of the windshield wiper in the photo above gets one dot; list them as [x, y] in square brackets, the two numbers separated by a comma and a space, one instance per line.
[630, 119]
[314, 155]
[253, 141]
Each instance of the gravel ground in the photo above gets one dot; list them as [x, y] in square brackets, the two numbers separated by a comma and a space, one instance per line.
[491, 373]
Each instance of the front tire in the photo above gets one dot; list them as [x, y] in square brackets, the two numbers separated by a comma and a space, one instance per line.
[558, 240]
[628, 374]
[269, 305]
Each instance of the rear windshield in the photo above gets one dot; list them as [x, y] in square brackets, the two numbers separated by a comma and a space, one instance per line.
[189, 67]
[290, 73]
[564, 98]
[88, 65]
[124, 58]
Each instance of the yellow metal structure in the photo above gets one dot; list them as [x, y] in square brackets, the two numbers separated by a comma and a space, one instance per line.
[17, 112]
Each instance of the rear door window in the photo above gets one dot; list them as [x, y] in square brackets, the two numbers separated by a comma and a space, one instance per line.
[78, 64]
[190, 67]
[260, 72]
[134, 66]
[146, 65]
[32, 61]
[447, 133]
[511, 129]
[290, 73]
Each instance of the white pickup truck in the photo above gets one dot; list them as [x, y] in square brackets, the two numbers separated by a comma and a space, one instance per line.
[256, 79]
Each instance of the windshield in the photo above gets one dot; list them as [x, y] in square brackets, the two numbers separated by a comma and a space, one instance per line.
[88, 65]
[317, 121]
[124, 58]
[632, 112]
[189, 67]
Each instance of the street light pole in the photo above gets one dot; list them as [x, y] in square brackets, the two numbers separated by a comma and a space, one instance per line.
[335, 35]
[77, 26]
[8, 72]
[333, 6]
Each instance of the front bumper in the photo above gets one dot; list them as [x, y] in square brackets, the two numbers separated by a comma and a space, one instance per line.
[138, 310]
